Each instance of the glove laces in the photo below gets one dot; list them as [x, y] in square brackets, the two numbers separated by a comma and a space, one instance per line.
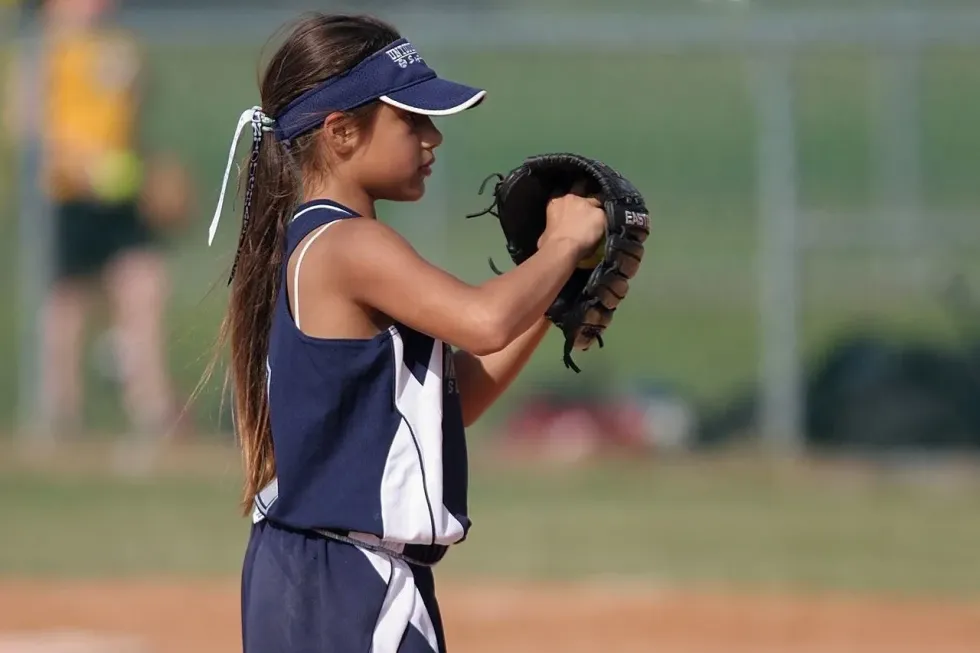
[492, 209]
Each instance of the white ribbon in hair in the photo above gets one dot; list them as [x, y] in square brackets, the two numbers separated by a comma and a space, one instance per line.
[264, 123]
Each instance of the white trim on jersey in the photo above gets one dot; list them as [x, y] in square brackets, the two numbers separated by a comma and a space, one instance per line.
[412, 508]
[268, 379]
[331, 207]
[299, 262]
[264, 500]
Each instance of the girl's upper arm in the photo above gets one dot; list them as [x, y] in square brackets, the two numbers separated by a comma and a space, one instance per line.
[381, 269]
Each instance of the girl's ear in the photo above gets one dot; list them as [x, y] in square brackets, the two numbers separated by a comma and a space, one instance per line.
[338, 135]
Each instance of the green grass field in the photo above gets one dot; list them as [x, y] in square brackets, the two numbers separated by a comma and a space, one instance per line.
[731, 520]
[684, 130]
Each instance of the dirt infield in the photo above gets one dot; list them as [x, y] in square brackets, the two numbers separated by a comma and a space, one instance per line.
[185, 617]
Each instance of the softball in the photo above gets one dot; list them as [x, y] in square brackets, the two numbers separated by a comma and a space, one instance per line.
[117, 176]
[592, 261]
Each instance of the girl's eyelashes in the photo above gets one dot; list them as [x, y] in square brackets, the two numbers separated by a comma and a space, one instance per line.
[413, 119]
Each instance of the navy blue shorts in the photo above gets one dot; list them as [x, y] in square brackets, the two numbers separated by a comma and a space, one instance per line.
[304, 593]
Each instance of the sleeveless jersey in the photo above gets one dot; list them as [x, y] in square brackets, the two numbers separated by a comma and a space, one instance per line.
[368, 433]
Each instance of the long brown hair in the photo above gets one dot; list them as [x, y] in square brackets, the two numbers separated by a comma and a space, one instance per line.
[318, 46]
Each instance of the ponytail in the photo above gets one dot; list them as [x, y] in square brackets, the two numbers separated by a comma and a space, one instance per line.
[254, 286]
[272, 191]
[319, 46]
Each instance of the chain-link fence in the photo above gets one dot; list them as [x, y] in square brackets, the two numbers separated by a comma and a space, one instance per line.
[807, 172]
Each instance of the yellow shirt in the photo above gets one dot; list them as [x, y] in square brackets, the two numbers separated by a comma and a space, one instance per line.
[90, 114]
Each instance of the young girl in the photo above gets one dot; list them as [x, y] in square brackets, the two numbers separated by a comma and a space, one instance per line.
[356, 364]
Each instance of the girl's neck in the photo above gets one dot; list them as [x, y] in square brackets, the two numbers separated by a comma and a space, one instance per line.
[350, 195]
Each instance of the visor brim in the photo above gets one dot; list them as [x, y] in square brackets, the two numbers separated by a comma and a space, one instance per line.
[435, 97]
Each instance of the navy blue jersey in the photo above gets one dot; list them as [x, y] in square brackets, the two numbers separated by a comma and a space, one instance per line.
[368, 433]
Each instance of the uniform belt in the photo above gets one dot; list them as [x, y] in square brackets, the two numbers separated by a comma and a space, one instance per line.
[419, 555]
[415, 554]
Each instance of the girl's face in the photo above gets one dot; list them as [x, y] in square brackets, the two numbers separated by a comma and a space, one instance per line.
[394, 155]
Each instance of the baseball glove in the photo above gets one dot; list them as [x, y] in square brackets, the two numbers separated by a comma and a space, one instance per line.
[585, 305]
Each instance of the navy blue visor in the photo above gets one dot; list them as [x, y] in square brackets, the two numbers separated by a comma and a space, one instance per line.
[397, 75]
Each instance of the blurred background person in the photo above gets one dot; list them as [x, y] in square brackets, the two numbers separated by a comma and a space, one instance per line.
[111, 207]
